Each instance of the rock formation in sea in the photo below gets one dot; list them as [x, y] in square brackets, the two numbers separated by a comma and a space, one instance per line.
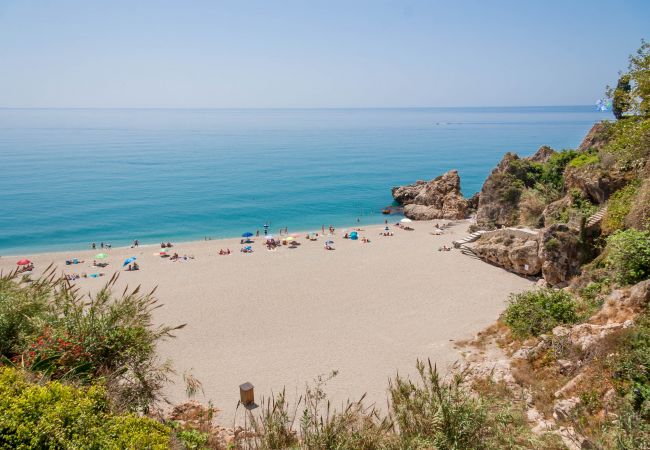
[439, 198]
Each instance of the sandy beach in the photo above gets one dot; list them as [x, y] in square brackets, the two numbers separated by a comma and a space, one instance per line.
[280, 318]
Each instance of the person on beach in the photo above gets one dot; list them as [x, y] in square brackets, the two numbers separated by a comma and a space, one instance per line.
[94, 246]
[257, 233]
[102, 245]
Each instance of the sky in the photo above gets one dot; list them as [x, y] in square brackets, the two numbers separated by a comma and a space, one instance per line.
[285, 54]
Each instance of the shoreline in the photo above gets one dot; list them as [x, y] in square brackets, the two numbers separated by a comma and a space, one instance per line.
[182, 241]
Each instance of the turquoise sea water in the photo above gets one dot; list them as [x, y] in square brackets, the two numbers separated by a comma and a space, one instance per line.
[73, 176]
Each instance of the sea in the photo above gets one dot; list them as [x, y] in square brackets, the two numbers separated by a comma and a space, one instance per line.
[70, 177]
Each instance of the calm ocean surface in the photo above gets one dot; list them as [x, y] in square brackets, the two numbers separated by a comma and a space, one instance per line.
[71, 177]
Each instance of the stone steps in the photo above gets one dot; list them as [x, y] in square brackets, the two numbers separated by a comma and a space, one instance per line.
[467, 250]
[469, 238]
[594, 219]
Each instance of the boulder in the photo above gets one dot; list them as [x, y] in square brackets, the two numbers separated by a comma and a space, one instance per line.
[640, 294]
[439, 198]
[563, 408]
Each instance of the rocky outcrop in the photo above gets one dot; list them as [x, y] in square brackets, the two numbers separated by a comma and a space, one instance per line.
[516, 252]
[560, 252]
[499, 199]
[596, 184]
[542, 155]
[596, 139]
[439, 198]
[553, 252]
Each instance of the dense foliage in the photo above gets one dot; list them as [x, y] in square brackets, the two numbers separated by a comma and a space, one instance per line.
[49, 328]
[56, 415]
[618, 208]
[532, 313]
[628, 256]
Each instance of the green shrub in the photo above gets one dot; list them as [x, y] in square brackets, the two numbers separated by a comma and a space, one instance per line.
[48, 327]
[628, 256]
[22, 308]
[584, 159]
[553, 170]
[552, 245]
[535, 312]
[618, 207]
[630, 142]
[55, 415]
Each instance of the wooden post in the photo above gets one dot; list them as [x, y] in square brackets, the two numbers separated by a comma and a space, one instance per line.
[246, 394]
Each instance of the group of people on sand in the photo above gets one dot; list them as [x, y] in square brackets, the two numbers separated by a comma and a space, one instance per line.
[224, 252]
[101, 245]
[26, 268]
[444, 248]
[132, 267]
[76, 276]
[167, 245]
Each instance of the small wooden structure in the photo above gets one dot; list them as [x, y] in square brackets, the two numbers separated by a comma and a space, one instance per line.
[246, 394]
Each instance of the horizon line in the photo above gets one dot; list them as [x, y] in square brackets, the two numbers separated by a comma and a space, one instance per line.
[277, 107]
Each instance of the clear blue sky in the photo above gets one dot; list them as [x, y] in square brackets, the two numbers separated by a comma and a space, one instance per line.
[141, 53]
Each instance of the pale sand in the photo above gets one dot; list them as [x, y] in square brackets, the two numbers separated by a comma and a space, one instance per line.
[280, 318]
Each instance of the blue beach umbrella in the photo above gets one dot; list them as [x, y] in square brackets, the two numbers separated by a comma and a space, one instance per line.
[129, 261]
[247, 234]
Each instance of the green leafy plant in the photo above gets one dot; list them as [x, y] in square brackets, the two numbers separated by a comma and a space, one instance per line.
[618, 208]
[55, 415]
[584, 159]
[628, 255]
[532, 313]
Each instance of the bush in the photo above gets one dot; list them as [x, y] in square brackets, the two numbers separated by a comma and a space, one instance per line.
[49, 328]
[535, 312]
[584, 159]
[630, 142]
[618, 207]
[55, 415]
[628, 256]
[22, 308]
[531, 207]
[639, 215]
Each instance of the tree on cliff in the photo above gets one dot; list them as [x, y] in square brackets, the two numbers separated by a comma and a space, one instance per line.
[621, 96]
[632, 93]
[640, 75]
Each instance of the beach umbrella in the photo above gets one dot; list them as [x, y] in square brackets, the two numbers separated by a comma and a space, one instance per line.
[406, 220]
[247, 234]
[23, 262]
[386, 229]
[101, 256]
[129, 261]
[329, 242]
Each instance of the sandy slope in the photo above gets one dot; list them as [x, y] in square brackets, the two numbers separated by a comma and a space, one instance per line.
[281, 318]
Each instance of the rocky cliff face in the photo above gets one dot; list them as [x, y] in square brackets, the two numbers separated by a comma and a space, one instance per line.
[436, 199]
[595, 184]
[553, 252]
[597, 137]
